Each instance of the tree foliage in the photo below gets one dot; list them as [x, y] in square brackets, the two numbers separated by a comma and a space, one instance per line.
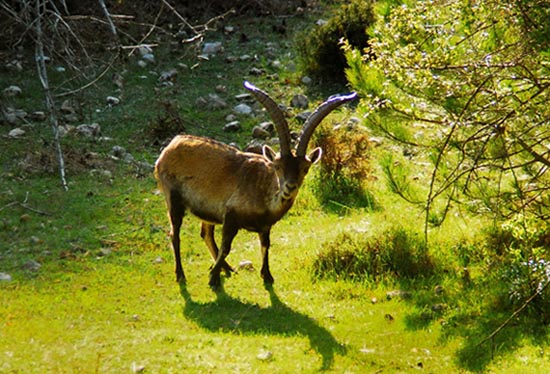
[474, 76]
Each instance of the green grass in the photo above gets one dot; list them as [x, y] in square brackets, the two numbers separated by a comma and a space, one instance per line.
[105, 299]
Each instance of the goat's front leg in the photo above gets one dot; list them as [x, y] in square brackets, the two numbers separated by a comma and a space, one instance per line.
[265, 242]
[207, 234]
[229, 230]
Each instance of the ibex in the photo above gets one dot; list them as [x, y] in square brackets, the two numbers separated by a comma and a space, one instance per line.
[239, 190]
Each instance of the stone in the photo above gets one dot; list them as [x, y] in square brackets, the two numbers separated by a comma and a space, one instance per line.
[5, 277]
[212, 48]
[16, 133]
[89, 130]
[113, 100]
[232, 126]
[144, 50]
[242, 109]
[299, 101]
[149, 58]
[13, 90]
[215, 102]
[267, 126]
[259, 133]
[31, 265]
[169, 75]
[246, 265]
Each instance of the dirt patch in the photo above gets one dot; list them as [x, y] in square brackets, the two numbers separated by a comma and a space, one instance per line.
[45, 161]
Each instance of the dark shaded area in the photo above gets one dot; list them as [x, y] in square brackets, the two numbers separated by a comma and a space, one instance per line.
[234, 316]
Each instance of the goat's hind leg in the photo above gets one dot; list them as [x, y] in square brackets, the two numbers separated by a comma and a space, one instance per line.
[176, 211]
[207, 233]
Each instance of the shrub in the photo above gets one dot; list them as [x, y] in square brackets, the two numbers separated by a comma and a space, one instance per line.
[522, 250]
[396, 253]
[344, 166]
[320, 49]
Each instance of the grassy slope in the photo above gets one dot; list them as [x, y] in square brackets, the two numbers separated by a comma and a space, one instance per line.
[105, 298]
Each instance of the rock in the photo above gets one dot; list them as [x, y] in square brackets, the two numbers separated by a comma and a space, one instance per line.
[437, 308]
[112, 100]
[118, 80]
[264, 355]
[212, 48]
[299, 101]
[229, 29]
[149, 58]
[10, 116]
[158, 260]
[31, 265]
[142, 63]
[5, 277]
[169, 75]
[230, 117]
[303, 116]
[256, 71]
[246, 265]
[321, 22]
[243, 97]
[215, 102]
[15, 65]
[13, 90]
[16, 133]
[307, 80]
[38, 115]
[376, 141]
[242, 109]
[398, 294]
[244, 58]
[104, 252]
[89, 130]
[259, 133]
[118, 151]
[255, 146]
[267, 126]
[232, 126]
[145, 50]
[67, 107]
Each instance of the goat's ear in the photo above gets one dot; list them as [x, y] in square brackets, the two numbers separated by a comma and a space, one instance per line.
[315, 155]
[269, 153]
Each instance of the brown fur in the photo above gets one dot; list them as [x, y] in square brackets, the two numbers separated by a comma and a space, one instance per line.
[222, 185]
[238, 190]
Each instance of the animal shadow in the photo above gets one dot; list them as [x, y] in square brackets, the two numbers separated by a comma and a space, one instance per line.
[228, 314]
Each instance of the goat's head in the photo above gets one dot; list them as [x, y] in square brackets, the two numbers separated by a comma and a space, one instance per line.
[290, 165]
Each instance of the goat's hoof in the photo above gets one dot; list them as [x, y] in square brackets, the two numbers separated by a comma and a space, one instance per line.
[215, 283]
[180, 277]
[268, 280]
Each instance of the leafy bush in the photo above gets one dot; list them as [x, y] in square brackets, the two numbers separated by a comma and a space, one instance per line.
[320, 49]
[396, 253]
[344, 166]
[522, 249]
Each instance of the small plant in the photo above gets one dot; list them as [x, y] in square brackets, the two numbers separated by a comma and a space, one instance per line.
[320, 49]
[344, 166]
[396, 253]
[167, 124]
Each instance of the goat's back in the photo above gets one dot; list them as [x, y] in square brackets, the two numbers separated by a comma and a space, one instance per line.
[211, 176]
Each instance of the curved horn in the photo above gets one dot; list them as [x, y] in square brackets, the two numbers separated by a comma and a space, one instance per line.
[276, 115]
[317, 116]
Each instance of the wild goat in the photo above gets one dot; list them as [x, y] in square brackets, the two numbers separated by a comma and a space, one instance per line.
[238, 190]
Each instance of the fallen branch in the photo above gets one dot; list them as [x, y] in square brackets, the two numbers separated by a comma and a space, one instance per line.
[24, 205]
